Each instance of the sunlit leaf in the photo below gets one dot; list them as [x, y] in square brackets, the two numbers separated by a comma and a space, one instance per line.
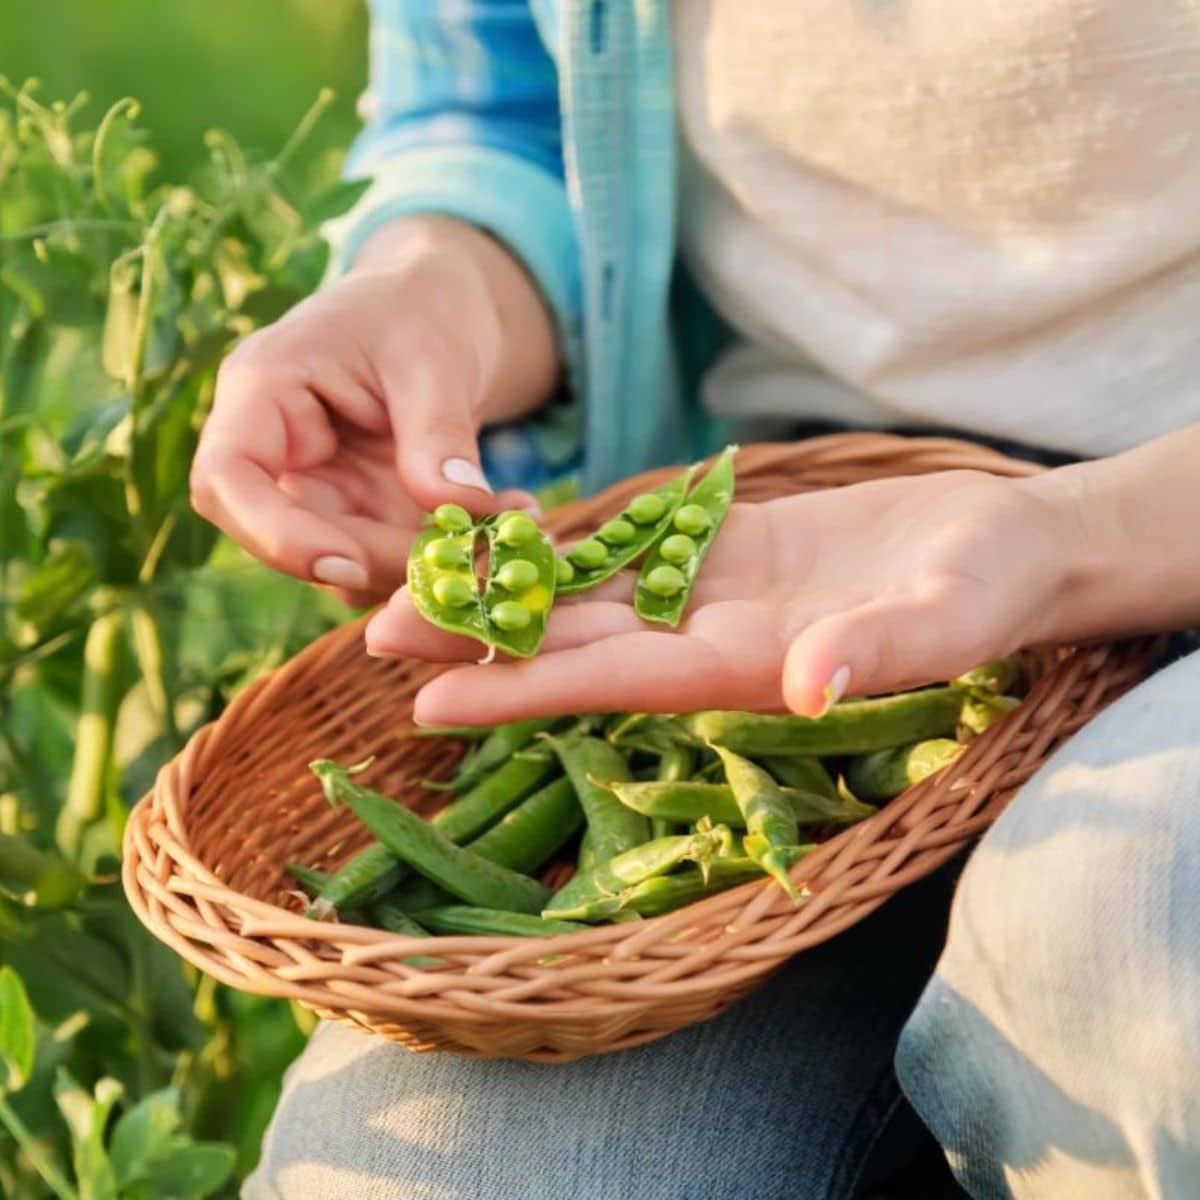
[18, 1032]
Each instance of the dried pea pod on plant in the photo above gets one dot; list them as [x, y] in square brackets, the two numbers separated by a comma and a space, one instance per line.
[624, 539]
[672, 565]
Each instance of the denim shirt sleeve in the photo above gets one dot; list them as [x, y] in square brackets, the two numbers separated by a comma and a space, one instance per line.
[462, 118]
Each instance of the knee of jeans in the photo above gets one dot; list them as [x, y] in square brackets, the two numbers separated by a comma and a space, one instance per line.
[1077, 920]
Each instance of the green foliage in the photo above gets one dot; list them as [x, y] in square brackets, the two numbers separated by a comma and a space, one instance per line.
[124, 624]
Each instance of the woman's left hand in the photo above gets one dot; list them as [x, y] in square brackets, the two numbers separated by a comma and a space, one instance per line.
[864, 589]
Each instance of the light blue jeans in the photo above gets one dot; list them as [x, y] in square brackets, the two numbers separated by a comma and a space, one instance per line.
[1055, 1052]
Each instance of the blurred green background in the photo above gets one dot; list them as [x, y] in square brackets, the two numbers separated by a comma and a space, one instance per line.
[105, 1032]
[248, 66]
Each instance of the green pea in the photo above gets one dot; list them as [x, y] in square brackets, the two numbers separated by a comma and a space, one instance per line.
[616, 533]
[646, 508]
[665, 581]
[452, 518]
[563, 571]
[516, 530]
[693, 519]
[678, 548]
[588, 553]
[445, 554]
[450, 591]
[517, 576]
[509, 615]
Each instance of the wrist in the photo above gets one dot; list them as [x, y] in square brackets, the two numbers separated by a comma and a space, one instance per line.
[502, 306]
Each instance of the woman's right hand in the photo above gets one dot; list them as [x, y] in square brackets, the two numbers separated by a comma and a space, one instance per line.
[334, 429]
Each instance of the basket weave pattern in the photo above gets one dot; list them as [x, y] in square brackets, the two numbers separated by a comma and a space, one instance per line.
[205, 852]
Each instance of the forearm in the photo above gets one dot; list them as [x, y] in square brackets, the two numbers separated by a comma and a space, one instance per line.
[1128, 530]
[529, 364]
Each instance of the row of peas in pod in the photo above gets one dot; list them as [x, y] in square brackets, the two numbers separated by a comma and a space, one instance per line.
[653, 812]
[670, 530]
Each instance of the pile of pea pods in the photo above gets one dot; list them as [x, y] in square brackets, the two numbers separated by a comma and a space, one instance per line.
[670, 529]
[654, 811]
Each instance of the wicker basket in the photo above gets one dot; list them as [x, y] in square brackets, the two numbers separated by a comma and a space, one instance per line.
[205, 852]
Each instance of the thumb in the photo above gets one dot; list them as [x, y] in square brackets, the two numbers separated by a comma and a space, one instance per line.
[883, 646]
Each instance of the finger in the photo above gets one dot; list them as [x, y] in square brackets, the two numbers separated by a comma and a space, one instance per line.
[240, 497]
[430, 402]
[885, 645]
[646, 671]
[398, 630]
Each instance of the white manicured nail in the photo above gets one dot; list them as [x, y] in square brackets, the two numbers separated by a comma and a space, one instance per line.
[340, 572]
[835, 689]
[465, 473]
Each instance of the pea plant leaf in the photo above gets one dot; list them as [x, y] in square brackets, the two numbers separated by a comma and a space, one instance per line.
[185, 1170]
[86, 1115]
[143, 1134]
[18, 1032]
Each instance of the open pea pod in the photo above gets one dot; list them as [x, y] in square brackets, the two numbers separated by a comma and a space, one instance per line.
[672, 565]
[520, 586]
[441, 574]
[511, 611]
[624, 539]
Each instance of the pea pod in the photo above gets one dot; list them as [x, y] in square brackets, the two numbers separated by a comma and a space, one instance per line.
[585, 860]
[642, 862]
[671, 567]
[803, 772]
[490, 922]
[666, 893]
[771, 826]
[531, 834]
[423, 846]
[675, 764]
[308, 877]
[981, 710]
[591, 763]
[886, 773]
[998, 676]
[441, 574]
[375, 871]
[692, 800]
[852, 727]
[520, 584]
[498, 747]
[386, 914]
[623, 540]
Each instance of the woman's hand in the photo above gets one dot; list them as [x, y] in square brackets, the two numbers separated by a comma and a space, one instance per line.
[864, 589]
[336, 427]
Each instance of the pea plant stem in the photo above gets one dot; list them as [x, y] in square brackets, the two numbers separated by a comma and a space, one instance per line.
[54, 1179]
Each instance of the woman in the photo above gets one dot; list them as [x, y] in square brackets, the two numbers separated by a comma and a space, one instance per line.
[906, 216]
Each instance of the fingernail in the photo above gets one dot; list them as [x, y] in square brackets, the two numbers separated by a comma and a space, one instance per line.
[466, 473]
[835, 689]
[340, 572]
[534, 510]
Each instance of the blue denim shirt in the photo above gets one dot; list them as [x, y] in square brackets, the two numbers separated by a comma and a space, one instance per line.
[551, 124]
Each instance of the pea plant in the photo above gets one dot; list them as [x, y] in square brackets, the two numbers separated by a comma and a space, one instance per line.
[125, 622]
